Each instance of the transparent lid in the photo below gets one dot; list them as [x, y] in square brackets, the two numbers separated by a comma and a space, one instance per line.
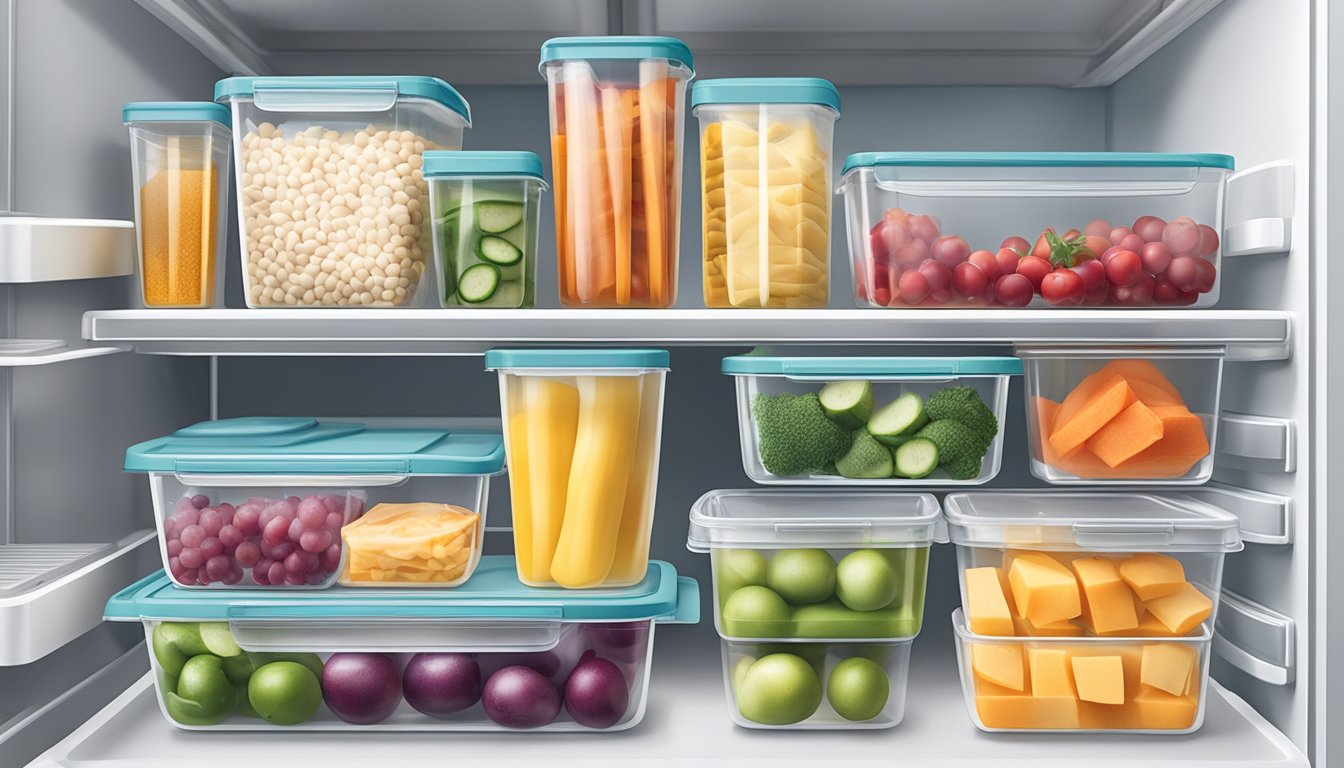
[771, 518]
[1103, 522]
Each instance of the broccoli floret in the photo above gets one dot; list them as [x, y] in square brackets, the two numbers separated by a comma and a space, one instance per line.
[955, 440]
[866, 458]
[965, 468]
[963, 404]
[796, 437]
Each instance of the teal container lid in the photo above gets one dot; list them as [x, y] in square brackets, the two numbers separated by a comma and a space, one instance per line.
[492, 592]
[441, 162]
[763, 365]
[617, 47]
[265, 445]
[1036, 160]
[405, 86]
[575, 358]
[175, 112]
[766, 90]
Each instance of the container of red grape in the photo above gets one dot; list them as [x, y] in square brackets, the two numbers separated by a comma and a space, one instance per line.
[262, 502]
[1038, 229]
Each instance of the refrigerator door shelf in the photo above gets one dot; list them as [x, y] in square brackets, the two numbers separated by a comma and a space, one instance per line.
[35, 249]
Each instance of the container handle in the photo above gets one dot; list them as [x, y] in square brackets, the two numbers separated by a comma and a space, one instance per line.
[1123, 535]
[304, 610]
[280, 96]
[226, 473]
[846, 527]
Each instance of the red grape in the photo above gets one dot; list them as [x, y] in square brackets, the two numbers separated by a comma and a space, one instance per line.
[191, 558]
[276, 531]
[1183, 272]
[277, 551]
[1205, 275]
[192, 536]
[211, 547]
[1208, 240]
[1149, 228]
[1063, 287]
[175, 568]
[1181, 235]
[1007, 259]
[911, 255]
[1156, 257]
[296, 529]
[1098, 228]
[295, 579]
[941, 296]
[230, 537]
[276, 573]
[938, 274]
[1093, 274]
[315, 540]
[1131, 243]
[331, 559]
[174, 548]
[914, 287]
[335, 520]
[988, 263]
[950, 250]
[1118, 234]
[882, 295]
[1165, 291]
[247, 554]
[200, 501]
[189, 575]
[1016, 243]
[248, 519]
[1098, 297]
[1187, 298]
[312, 512]
[878, 250]
[211, 521]
[1014, 290]
[968, 279]
[1034, 268]
[923, 228]
[226, 511]
[234, 575]
[217, 567]
[1123, 267]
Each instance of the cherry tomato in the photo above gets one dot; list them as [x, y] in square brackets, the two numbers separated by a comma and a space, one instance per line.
[1063, 287]
[1205, 275]
[1109, 252]
[950, 249]
[988, 263]
[1131, 242]
[1007, 259]
[1141, 291]
[1181, 235]
[1156, 257]
[911, 255]
[1123, 267]
[1096, 245]
[969, 280]
[1187, 298]
[1042, 246]
[1149, 228]
[923, 228]
[1183, 272]
[1097, 228]
[1208, 240]
[877, 243]
[1118, 234]
[1072, 234]
[1093, 274]
[937, 273]
[1018, 244]
[1014, 290]
[1034, 268]
[914, 287]
[1165, 291]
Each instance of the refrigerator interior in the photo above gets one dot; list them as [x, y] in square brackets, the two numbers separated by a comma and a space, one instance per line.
[1245, 77]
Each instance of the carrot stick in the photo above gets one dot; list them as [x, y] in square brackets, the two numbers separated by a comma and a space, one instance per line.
[617, 109]
[653, 147]
[585, 185]
[564, 248]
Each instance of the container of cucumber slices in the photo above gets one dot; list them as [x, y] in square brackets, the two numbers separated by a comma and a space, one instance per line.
[486, 206]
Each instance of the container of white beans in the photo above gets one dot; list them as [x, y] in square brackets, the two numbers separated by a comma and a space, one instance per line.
[333, 210]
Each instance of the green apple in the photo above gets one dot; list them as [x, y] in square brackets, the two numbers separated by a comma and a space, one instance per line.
[218, 639]
[813, 653]
[802, 576]
[779, 689]
[737, 568]
[204, 695]
[865, 580]
[284, 692]
[244, 704]
[310, 660]
[756, 612]
[740, 671]
[911, 567]
[858, 689]
[175, 642]
[239, 668]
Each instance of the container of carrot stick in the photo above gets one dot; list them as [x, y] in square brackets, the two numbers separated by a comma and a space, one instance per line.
[617, 118]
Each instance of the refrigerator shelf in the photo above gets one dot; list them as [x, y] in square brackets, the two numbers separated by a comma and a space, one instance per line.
[16, 353]
[1246, 334]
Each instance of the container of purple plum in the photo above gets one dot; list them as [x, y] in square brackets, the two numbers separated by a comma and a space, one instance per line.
[260, 502]
[490, 655]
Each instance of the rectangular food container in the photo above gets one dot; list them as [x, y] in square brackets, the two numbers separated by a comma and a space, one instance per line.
[617, 120]
[493, 655]
[815, 565]
[765, 170]
[487, 206]
[1088, 564]
[1122, 416]
[332, 203]
[1136, 229]
[275, 503]
[582, 430]
[180, 169]
[1084, 684]
[871, 420]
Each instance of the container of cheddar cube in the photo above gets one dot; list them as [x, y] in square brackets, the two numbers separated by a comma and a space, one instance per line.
[765, 170]
[1087, 611]
[298, 503]
[1122, 416]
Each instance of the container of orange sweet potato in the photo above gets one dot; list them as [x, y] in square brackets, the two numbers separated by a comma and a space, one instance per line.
[1122, 416]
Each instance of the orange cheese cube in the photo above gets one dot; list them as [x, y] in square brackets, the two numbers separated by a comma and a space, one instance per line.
[1182, 611]
[1000, 707]
[1100, 679]
[1107, 601]
[1148, 626]
[1000, 664]
[986, 607]
[1127, 435]
[1167, 666]
[1088, 408]
[1025, 628]
[1044, 591]
[1151, 575]
[1051, 673]
[1160, 711]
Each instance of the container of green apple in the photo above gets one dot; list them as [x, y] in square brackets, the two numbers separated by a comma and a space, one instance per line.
[818, 596]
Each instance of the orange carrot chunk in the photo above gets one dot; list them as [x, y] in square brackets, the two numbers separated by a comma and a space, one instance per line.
[1128, 434]
[1078, 421]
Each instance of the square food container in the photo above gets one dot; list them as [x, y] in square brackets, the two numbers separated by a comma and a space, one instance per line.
[582, 431]
[915, 217]
[913, 421]
[493, 655]
[1084, 684]
[180, 169]
[765, 170]
[332, 204]
[813, 565]
[617, 117]
[269, 503]
[1122, 416]
[487, 207]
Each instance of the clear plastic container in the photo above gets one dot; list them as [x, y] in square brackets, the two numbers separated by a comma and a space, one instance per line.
[807, 686]
[493, 655]
[812, 565]
[915, 217]
[1083, 684]
[1122, 416]
[331, 199]
[1086, 564]
[875, 431]
[617, 119]
[487, 207]
[180, 169]
[765, 170]
[264, 502]
[582, 433]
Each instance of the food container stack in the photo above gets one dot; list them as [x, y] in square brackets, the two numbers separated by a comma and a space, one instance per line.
[818, 597]
[1087, 611]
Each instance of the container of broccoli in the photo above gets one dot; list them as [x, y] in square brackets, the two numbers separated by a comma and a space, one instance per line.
[928, 421]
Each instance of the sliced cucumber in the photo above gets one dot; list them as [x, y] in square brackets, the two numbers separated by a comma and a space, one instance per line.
[848, 403]
[916, 458]
[901, 417]
[497, 250]
[495, 216]
[478, 283]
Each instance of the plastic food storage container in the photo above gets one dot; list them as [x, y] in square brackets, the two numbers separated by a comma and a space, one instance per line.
[817, 565]
[1136, 229]
[616, 133]
[765, 170]
[487, 206]
[1122, 416]
[582, 433]
[871, 420]
[492, 655]
[276, 502]
[331, 199]
[180, 169]
[1083, 684]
